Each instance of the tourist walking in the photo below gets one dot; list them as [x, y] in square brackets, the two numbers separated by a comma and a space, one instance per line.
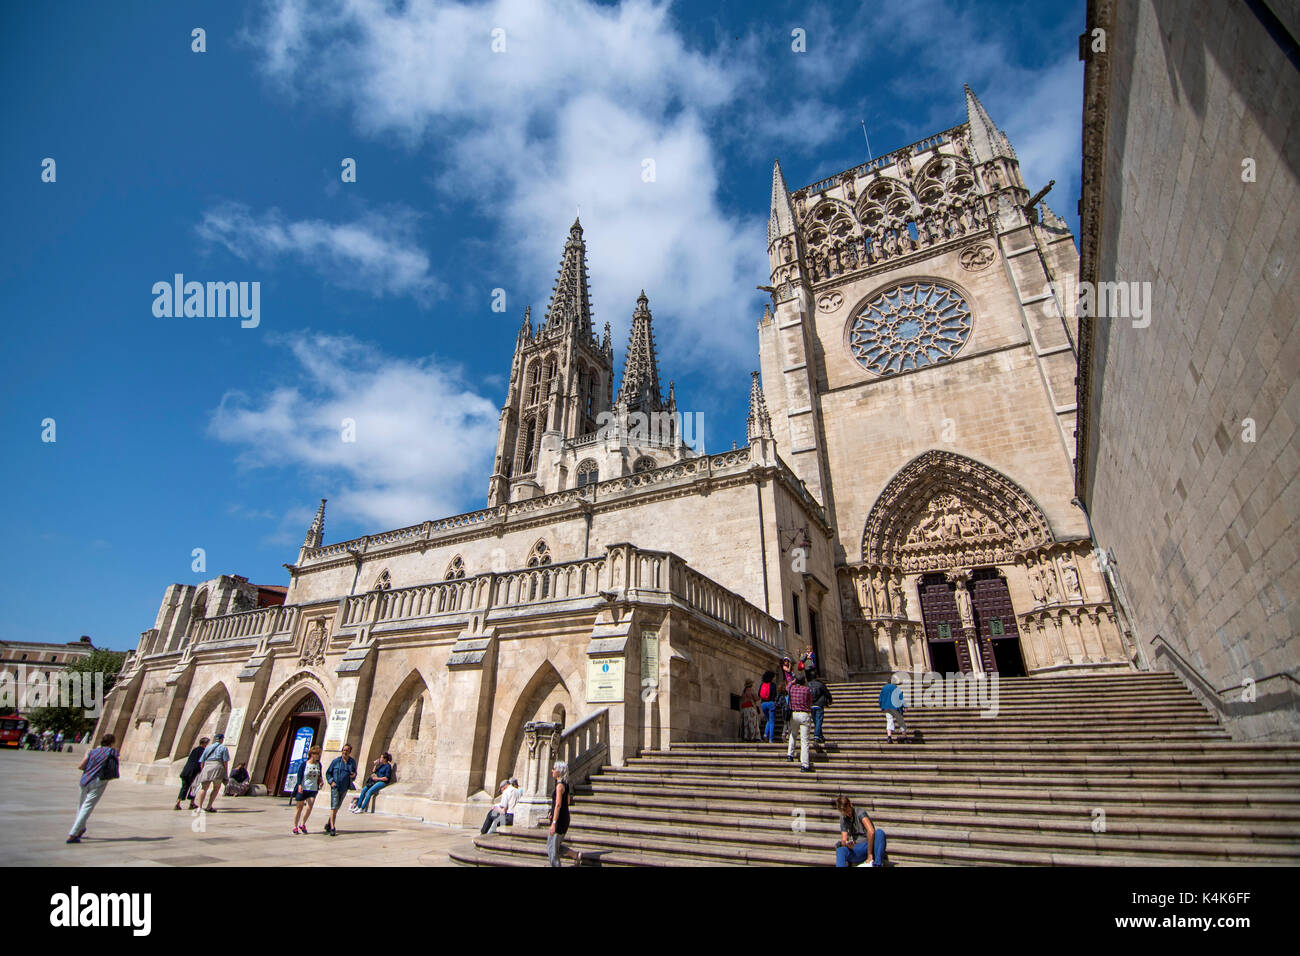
[379, 779]
[214, 774]
[98, 767]
[800, 718]
[893, 704]
[808, 660]
[560, 818]
[862, 843]
[341, 774]
[748, 713]
[58, 742]
[188, 772]
[305, 790]
[767, 695]
[821, 699]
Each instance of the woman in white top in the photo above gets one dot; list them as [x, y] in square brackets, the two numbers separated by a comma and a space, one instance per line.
[304, 792]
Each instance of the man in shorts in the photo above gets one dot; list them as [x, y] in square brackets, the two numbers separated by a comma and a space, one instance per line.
[341, 774]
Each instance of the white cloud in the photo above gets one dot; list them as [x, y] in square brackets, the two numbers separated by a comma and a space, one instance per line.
[424, 439]
[563, 118]
[377, 253]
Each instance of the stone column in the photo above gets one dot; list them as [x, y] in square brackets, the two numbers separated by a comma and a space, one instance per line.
[543, 741]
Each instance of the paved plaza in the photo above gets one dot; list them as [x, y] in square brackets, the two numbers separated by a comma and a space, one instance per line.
[135, 825]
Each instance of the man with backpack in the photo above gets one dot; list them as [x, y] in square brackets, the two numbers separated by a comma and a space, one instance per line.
[821, 699]
[892, 703]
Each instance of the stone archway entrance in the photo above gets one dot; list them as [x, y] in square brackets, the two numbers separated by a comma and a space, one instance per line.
[950, 521]
[302, 727]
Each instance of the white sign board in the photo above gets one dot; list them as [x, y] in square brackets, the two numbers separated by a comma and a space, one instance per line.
[234, 724]
[337, 729]
[605, 680]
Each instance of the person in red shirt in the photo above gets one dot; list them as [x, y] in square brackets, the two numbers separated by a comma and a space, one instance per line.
[801, 718]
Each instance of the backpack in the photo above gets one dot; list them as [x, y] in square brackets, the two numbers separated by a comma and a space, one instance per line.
[765, 691]
[109, 769]
[826, 692]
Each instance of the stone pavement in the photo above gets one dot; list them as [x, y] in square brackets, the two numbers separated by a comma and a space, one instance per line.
[135, 825]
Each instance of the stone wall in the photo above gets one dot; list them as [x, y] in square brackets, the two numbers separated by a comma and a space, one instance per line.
[1188, 458]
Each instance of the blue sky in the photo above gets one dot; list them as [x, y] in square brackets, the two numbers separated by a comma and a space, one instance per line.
[376, 296]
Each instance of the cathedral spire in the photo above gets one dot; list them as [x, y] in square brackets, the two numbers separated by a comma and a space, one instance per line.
[987, 141]
[570, 306]
[639, 390]
[316, 533]
[759, 421]
[526, 330]
[781, 220]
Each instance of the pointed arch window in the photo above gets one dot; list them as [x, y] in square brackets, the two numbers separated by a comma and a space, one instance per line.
[539, 556]
[588, 472]
[455, 570]
[645, 463]
[383, 582]
[539, 587]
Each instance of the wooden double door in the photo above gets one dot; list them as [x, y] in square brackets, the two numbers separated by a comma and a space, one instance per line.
[996, 636]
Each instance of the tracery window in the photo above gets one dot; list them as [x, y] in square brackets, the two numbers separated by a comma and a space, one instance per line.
[383, 582]
[588, 472]
[644, 463]
[540, 555]
[455, 570]
[909, 326]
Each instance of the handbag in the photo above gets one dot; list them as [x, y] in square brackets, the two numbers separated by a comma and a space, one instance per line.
[510, 820]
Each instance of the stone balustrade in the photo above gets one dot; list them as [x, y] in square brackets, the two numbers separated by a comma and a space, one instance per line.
[725, 463]
[625, 569]
[246, 624]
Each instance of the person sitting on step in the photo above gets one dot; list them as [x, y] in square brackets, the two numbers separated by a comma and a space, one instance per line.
[862, 843]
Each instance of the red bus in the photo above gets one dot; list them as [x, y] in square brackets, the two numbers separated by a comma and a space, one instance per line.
[12, 730]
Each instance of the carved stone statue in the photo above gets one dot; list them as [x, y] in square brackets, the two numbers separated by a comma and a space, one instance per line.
[882, 605]
[1071, 578]
[964, 606]
[897, 599]
[1036, 587]
[1050, 592]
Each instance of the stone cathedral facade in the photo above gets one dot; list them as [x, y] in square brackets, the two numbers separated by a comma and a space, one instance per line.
[903, 501]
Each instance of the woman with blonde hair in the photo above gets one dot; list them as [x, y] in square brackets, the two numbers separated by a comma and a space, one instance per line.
[304, 792]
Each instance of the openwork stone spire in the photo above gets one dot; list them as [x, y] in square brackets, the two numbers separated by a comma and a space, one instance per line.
[570, 306]
[639, 390]
[987, 141]
[760, 422]
[316, 533]
[781, 220]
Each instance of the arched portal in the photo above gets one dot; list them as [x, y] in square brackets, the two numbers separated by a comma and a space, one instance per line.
[405, 730]
[290, 723]
[208, 717]
[947, 521]
[544, 698]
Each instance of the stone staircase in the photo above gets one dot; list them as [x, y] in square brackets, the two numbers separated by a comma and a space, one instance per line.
[1123, 769]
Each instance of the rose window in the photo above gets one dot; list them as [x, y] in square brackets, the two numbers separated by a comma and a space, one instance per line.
[909, 326]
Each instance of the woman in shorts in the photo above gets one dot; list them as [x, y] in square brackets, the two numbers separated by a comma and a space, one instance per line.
[304, 792]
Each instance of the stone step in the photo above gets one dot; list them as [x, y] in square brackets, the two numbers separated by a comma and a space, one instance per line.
[720, 840]
[908, 846]
[959, 757]
[772, 805]
[808, 789]
[1081, 821]
[990, 771]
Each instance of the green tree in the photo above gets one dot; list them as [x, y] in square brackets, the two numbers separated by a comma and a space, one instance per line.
[73, 720]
